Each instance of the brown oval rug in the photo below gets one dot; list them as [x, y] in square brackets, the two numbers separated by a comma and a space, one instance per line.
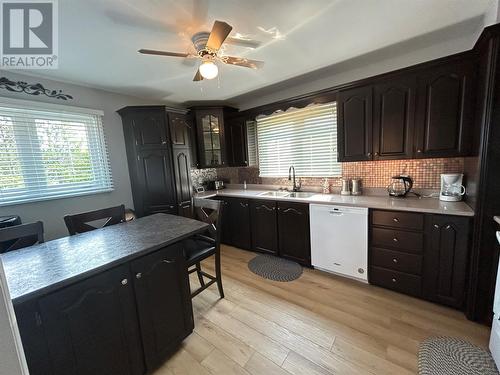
[452, 356]
[274, 268]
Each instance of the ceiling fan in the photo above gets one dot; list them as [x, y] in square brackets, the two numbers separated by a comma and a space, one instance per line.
[207, 50]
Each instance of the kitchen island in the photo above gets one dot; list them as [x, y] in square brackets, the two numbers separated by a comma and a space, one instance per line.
[112, 301]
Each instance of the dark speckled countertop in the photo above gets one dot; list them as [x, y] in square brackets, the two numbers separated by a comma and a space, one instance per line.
[40, 269]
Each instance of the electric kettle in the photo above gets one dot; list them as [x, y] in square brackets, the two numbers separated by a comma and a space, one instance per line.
[400, 186]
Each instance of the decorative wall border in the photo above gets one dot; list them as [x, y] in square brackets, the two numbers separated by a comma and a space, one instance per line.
[32, 89]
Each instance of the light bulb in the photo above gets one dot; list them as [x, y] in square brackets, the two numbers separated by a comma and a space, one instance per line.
[208, 69]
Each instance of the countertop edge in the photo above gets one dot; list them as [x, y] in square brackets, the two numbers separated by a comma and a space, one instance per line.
[85, 275]
[212, 194]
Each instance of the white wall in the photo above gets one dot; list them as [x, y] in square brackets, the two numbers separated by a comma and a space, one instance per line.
[12, 360]
[444, 42]
[51, 212]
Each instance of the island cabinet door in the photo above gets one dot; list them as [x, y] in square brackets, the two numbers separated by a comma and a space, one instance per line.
[163, 302]
[264, 226]
[294, 237]
[91, 327]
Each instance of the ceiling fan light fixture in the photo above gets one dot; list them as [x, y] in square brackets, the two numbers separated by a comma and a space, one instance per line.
[208, 69]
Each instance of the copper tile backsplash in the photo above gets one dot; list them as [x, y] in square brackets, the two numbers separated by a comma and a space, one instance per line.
[425, 173]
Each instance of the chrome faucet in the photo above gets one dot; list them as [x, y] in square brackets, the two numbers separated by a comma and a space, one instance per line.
[291, 174]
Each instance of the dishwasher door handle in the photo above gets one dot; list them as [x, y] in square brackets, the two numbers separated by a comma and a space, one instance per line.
[336, 213]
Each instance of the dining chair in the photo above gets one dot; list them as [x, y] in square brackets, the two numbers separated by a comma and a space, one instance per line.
[79, 223]
[202, 246]
[22, 235]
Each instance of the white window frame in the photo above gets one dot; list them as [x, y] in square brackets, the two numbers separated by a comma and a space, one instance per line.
[6, 102]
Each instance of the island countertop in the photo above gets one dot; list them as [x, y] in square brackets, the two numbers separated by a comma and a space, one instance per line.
[42, 268]
[413, 204]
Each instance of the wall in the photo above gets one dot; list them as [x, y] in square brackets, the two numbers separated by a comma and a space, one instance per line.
[375, 174]
[51, 212]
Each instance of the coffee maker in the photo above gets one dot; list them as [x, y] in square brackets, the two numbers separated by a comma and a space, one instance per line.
[452, 189]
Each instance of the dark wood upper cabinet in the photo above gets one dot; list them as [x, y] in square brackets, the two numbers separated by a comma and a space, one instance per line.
[163, 302]
[180, 126]
[355, 124]
[294, 237]
[445, 110]
[394, 115]
[149, 129]
[211, 136]
[264, 226]
[236, 142]
[154, 178]
[91, 327]
[445, 259]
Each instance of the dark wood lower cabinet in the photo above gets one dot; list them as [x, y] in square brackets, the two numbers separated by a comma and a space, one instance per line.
[294, 234]
[91, 327]
[124, 321]
[163, 302]
[424, 257]
[264, 226]
[239, 222]
[445, 259]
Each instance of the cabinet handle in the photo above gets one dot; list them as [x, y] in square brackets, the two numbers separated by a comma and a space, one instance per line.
[394, 260]
[369, 154]
[394, 280]
[436, 226]
[164, 142]
[243, 204]
[395, 239]
[396, 220]
[124, 282]
[448, 227]
[292, 210]
[419, 151]
[138, 275]
[376, 154]
[168, 261]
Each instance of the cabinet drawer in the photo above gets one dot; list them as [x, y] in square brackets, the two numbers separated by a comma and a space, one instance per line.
[396, 260]
[398, 219]
[399, 281]
[406, 241]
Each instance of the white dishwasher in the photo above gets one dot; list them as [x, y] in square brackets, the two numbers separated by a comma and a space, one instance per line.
[339, 240]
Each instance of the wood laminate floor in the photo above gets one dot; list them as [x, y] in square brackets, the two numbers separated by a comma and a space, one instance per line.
[318, 324]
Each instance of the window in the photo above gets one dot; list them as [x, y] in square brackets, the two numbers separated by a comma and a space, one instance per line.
[305, 138]
[51, 152]
[252, 143]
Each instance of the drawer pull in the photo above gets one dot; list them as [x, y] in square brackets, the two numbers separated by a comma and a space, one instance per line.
[394, 280]
[436, 226]
[124, 282]
[395, 239]
[396, 220]
[394, 260]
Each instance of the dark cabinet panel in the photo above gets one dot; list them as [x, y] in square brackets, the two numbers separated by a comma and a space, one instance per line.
[179, 129]
[294, 234]
[399, 281]
[236, 142]
[355, 124]
[91, 327]
[182, 171]
[240, 223]
[445, 259]
[236, 223]
[155, 176]
[445, 110]
[149, 128]
[264, 226]
[163, 302]
[394, 114]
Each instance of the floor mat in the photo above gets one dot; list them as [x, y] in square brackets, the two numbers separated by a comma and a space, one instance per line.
[274, 268]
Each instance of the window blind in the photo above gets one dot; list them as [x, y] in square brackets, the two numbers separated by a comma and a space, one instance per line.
[305, 138]
[49, 153]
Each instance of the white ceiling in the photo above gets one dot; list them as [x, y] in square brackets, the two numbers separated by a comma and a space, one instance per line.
[99, 39]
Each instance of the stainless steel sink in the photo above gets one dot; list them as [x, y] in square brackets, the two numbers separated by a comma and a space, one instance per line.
[300, 194]
[281, 194]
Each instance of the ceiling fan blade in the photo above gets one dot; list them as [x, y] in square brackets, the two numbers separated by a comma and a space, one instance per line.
[219, 33]
[162, 53]
[250, 43]
[198, 76]
[241, 61]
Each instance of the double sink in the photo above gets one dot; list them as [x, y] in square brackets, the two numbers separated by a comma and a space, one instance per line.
[286, 194]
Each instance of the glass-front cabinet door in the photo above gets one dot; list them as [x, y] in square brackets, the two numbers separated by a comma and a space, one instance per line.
[210, 137]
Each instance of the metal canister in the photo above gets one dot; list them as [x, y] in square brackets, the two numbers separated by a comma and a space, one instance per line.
[345, 187]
